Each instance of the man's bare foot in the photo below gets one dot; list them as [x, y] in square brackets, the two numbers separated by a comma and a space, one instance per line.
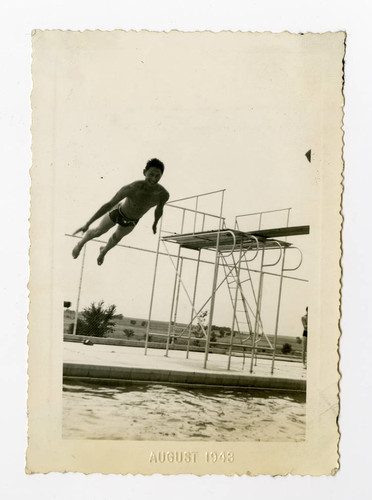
[101, 256]
[76, 251]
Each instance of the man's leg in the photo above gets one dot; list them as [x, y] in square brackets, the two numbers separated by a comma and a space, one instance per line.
[105, 224]
[304, 350]
[120, 232]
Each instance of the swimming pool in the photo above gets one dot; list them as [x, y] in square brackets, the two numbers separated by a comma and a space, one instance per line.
[161, 412]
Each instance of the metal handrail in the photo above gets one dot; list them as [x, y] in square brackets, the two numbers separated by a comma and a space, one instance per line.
[263, 212]
[197, 195]
[146, 250]
[234, 243]
[257, 250]
[280, 256]
[193, 210]
[294, 268]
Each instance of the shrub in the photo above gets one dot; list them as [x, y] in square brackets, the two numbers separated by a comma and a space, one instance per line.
[133, 321]
[144, 323]
[287, 348]
[128, 332]
[97, 320]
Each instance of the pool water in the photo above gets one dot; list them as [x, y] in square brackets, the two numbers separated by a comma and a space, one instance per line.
[161, 412]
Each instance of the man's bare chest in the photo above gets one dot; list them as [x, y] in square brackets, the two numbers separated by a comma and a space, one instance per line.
[143, 198]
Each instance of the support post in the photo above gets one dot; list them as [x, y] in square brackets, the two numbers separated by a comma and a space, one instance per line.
[196, 213]
[173, 298]
[237, 272]
[153, 288]
[193, 304]
[177, 299]
[215, 274]
[177, 277]
[79, 291]
[258, 310]
[277, 312]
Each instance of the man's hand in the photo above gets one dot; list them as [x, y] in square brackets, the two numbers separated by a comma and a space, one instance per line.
[82, 229]
[154, 228]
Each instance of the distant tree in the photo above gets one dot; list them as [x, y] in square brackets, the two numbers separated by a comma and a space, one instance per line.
[118, 316]
[298, 340]
[287, 348]
[144, 323]
[133, 321]
[213, 336]
[128, 332]
[222, 332]
[97, 320]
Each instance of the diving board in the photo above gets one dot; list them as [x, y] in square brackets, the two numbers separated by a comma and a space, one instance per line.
[281, 232]
[225, 239]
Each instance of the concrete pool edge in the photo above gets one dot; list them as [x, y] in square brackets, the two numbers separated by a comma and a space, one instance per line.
[128, 374]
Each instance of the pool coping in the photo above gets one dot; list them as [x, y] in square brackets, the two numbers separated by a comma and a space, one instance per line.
[124, 374]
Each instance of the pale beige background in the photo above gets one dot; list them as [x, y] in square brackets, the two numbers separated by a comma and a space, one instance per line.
[278, 127]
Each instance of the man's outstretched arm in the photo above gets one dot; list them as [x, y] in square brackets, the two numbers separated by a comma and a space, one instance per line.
[159, 210]
[120, 195]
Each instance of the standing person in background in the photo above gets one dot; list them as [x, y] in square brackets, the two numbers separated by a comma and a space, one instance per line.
[304, 338]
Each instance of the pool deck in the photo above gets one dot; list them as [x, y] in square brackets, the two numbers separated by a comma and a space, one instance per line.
[121, 364]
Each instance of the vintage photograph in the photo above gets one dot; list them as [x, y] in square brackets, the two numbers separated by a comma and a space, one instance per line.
[185, 188]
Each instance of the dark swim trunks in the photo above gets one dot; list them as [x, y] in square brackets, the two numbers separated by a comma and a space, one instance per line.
[305, 333]
[117, 217]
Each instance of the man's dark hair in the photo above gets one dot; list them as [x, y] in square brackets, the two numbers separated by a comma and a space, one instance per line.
[155, 163]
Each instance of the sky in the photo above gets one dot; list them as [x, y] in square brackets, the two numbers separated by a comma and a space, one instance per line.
[234, 112]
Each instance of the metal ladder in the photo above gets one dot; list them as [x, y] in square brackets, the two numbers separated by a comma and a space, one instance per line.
[242, 317]
[243, 311]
